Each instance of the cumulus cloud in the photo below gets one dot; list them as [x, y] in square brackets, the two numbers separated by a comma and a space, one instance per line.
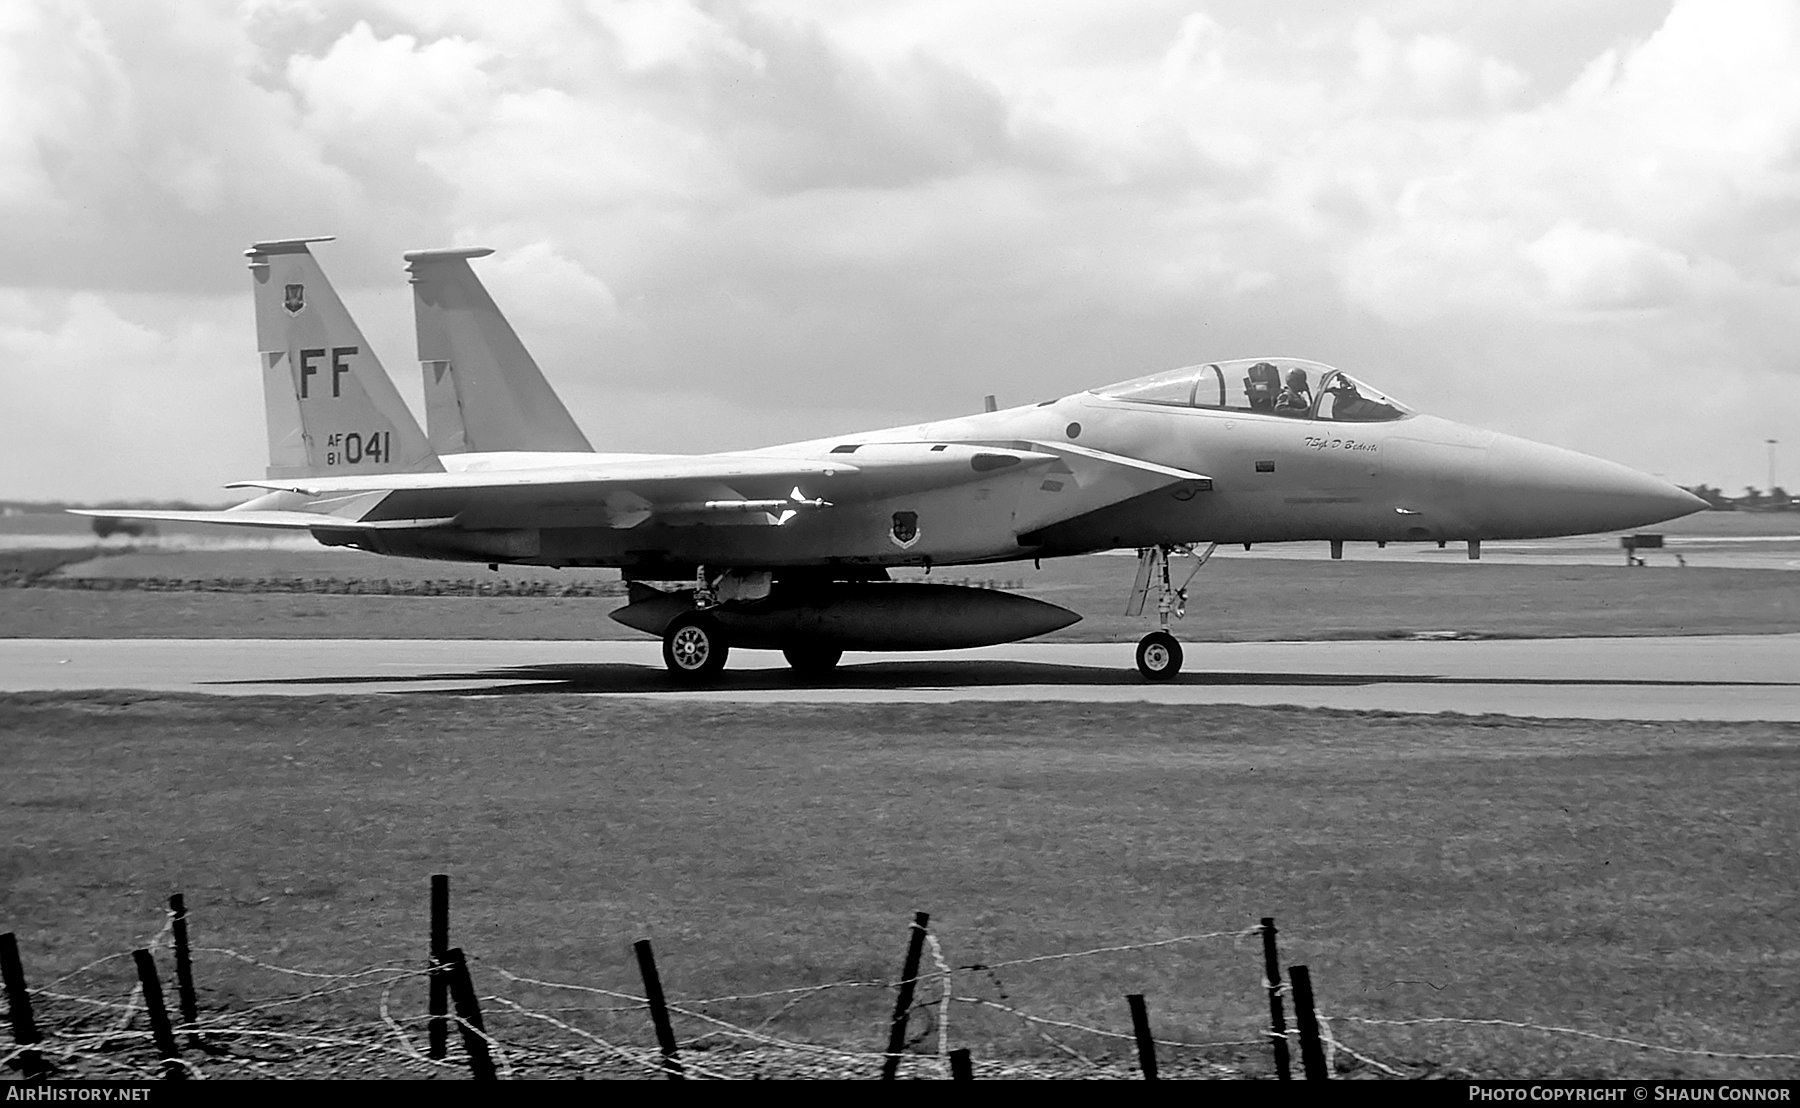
[143, 141]
[393, 92]
[1661, 163]
[651, 36]
[807, 215]
[1586, 268]
[1431, 73]
[94, 385]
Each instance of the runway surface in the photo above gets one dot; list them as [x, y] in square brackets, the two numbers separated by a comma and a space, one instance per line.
[1749, 677]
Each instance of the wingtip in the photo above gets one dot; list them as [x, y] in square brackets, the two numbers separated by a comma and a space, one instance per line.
[446, 253]
[284, 246]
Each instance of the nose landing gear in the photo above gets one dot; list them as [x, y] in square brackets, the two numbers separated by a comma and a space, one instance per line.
[1158, 653]
[1158, 656]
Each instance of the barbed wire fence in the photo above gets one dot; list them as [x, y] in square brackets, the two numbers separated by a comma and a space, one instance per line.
[273, 1021]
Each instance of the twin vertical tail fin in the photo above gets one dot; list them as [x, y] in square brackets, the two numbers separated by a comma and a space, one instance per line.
[332, 409]
[483, 391]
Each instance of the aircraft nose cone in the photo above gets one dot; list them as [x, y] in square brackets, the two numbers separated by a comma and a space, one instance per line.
[1564, 492]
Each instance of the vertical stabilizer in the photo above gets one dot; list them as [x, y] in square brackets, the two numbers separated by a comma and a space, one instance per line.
[332, 408]
[483, 391]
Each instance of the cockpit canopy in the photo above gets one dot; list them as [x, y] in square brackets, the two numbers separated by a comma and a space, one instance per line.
[1287, 387]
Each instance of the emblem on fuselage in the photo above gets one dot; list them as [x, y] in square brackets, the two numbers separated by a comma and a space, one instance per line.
[905, 531]
[294, 298]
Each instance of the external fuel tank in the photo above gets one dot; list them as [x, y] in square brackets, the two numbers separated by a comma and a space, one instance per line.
[859, 616]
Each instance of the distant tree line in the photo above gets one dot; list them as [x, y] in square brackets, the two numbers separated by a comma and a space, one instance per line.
[1753, 500]
[105, 526]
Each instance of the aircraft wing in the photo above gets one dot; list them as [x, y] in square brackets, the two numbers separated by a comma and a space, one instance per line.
[736, 489]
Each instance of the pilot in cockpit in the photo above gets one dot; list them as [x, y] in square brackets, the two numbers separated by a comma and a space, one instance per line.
[1296, 398]
[1353, 406]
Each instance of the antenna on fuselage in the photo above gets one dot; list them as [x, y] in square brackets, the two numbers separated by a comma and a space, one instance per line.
[988, 403]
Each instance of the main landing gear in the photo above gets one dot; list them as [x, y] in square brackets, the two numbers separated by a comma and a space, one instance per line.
[695, 645]
[1158, 653]
[694, 649]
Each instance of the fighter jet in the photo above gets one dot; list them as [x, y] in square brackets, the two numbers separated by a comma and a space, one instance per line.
[790, 547]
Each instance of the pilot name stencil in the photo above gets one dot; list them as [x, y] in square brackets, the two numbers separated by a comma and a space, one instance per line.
[1318, 443]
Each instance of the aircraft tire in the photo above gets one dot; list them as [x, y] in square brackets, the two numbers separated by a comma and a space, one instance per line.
[694, 649]
[1159, 656]
[812, 661]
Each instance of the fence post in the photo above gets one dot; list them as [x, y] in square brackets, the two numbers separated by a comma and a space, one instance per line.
[1277, 1021]
[1140, 1026]
[659, 1010]
[160, 1030]
[468, 1010]
[18, 1003]
[909, 977]
[184, 962]
[437, 1029]
[961, 1069]
[1312, 1052]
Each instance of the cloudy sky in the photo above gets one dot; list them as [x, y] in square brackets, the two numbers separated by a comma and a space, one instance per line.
[727, 225]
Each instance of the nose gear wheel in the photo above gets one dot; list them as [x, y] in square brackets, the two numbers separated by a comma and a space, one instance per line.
[1159, 656]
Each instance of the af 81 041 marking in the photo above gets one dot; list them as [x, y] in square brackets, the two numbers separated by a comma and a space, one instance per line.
[352, 448]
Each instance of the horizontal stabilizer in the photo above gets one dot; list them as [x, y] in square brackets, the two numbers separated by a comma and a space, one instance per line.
[273, 518]
[292, 520]
[670, 471]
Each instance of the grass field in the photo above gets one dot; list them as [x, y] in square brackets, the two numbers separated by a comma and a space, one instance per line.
[1636, 880]
[1232, 601]
[1236, 598]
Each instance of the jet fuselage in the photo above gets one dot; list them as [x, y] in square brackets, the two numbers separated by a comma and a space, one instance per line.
[1272, 479]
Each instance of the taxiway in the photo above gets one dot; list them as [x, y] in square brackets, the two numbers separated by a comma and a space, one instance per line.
[1747, 677]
